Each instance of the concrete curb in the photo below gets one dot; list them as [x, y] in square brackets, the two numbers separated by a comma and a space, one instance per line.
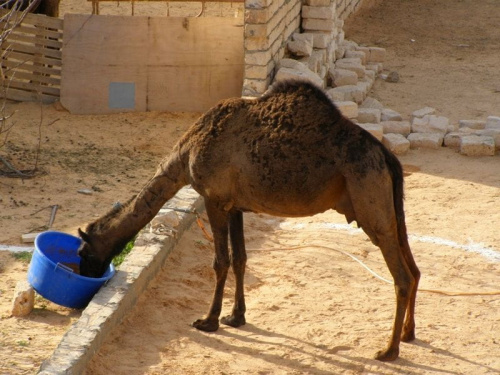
[113, 301]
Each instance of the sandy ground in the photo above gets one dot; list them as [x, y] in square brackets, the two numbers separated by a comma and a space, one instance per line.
[311, 310]
[444, 51]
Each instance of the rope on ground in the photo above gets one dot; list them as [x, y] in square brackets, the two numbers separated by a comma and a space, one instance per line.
[436, 291]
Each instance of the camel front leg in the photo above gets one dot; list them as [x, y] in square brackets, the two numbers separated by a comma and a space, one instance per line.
[238, 261]
[219, 224]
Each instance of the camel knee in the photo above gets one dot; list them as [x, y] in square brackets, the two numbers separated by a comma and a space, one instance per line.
[221, 264]
[402, 291]
[238, 260]
[403, 284]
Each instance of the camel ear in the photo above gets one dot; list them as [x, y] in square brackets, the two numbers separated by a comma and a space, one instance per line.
[84, 236]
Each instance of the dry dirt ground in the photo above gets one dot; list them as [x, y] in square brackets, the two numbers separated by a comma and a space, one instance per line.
[313, 309]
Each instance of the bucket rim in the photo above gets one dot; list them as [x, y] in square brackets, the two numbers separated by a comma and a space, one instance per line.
[111, 267]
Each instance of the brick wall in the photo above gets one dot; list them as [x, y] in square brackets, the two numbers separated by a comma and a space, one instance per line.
[270, 25]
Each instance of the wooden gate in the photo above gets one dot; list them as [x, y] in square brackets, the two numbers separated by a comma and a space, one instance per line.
[31, 58]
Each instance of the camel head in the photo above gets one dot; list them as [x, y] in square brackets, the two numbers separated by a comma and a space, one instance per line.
[94, 257]
[96, 252]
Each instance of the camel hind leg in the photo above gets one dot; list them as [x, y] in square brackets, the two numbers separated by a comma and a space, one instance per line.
[238, 262]
[374, 211]
[409, 325]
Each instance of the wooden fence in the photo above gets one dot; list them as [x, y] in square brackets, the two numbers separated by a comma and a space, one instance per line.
[31, 58]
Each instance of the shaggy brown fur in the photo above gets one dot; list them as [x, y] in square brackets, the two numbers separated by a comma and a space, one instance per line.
[288, 153]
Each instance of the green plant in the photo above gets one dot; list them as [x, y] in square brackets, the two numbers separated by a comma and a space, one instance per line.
[23, 256]
[117, 260]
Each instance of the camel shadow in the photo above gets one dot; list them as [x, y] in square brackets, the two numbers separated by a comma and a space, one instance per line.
[264, 338]
[448, 354]
[335, 357]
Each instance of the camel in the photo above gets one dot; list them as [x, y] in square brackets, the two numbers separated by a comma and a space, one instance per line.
[289, 153]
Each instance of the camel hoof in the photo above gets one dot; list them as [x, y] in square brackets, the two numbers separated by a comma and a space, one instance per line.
[387, 355]
[408, 336]
[206, 325]
[233, 321]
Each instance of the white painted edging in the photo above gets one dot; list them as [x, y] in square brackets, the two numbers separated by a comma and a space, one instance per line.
[472, 247]
[17, 249]
[113, 301]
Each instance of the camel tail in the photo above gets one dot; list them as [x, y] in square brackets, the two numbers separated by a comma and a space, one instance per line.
[396, 171]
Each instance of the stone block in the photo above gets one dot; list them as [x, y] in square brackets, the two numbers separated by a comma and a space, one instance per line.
[348, 109]
[317, 24]
[257, 71]
[396, 127]
[369, 115]
[257, 31]
[347, 93]
[397, 143]
[390, 115]
[300, 47]
[331, 54]
[493, 133]
[340, 37]
[339, 51]
[377, 55]
[370, 102]
[358, 54]
[467, 130]
[453, 139]
[350, 60]
[364, 86]
[370, 74]
[492, 122]
[430, 124]
[342, 77]
[439, 122]
[365, 50]
[349, 64]
[318, 12]
[323, 71]
[425, 140]
[375, 67]
[304, 37]
[23, 300]
[254, 87]
[350, 45]
[319, 55]
[452, 128]
[315, 61]
[320, 39]
[477, 145]
[261, 15]
[423, 112]
[472, 124]
[257, 4]
[374, 129]
[292, 64]
[288, 73]
[258, 58]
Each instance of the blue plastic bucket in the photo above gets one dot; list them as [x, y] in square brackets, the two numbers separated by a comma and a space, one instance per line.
[51, 277]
